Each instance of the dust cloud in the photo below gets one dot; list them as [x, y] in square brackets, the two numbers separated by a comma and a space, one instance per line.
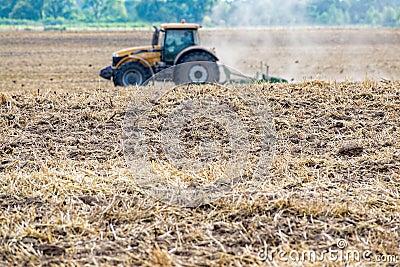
[300, 51]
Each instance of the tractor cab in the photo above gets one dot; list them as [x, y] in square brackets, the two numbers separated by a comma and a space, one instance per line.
[175, 37]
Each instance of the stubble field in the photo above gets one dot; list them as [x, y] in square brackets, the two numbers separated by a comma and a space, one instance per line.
[68, 198]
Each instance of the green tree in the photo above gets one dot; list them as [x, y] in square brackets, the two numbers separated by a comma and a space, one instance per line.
[25, 9]
[389, 16]
[329, 12]
[194, 10]
[6, 6]
[173, 11]
[58, 8]
[130, 8]
[111, 10]
[220, 15]
[38, 5]
[373, 17]
[115, 10]
[358, 11]
[337, 16]
[95, 8]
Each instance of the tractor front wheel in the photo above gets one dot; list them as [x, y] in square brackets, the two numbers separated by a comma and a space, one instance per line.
[131, 73]
[197, 67]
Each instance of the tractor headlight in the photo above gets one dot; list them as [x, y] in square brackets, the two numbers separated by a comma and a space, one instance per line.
[114, 55]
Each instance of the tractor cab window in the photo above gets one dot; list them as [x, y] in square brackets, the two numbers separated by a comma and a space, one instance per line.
[176, 41]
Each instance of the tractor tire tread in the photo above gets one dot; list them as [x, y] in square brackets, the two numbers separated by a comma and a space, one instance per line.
[118, 76]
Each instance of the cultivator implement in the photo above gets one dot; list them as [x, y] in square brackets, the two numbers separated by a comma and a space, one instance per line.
[234, 76]
[199, 72]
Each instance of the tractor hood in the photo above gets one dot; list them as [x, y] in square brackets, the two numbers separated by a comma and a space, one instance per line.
[149, 53]
[136, 50]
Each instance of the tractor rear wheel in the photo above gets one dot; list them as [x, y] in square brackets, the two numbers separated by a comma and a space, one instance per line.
[131, 73]
[196, 67]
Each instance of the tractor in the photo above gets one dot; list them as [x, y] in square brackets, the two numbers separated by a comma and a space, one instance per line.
[179, 44]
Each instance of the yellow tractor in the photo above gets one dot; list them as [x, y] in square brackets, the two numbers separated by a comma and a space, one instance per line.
[179, 44]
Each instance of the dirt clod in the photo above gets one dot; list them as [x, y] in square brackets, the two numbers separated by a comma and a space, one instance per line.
[351, 150]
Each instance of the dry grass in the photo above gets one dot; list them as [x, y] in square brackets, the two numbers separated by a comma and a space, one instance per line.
[67, 198]
[192, 143]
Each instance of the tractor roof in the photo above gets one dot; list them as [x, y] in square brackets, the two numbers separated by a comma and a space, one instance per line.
[182, 25]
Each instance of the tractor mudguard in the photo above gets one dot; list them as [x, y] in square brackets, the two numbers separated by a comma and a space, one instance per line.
[191, 49]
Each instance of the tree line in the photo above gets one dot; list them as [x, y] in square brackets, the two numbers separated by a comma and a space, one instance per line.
[229, 13]
[306, 12]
